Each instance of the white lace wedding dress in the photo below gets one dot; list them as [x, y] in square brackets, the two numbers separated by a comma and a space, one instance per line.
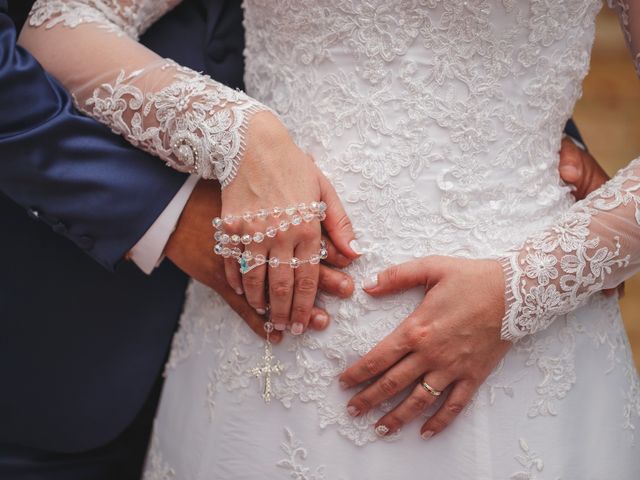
[439, 123]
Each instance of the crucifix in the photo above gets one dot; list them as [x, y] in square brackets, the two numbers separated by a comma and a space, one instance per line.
[267, 367]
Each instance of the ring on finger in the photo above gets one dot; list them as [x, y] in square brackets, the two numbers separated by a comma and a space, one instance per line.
[430, 389]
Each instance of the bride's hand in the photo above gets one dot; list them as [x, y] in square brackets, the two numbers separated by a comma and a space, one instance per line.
[451, 341]
[276, 173]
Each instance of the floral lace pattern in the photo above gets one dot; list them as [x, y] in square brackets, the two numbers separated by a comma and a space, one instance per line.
[556, 270]
[187, 119]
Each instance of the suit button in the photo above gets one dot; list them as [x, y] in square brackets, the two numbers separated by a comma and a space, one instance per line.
[59, 227]
[33, 213]
[85, 242]
[217, 52]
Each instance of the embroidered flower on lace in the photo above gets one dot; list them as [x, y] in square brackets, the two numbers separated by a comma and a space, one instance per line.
[296, 454]
[530, 461]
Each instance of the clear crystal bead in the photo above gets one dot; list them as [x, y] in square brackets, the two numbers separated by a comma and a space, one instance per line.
[268, 327]
[271, 232]
[258, 237]
[314, 259]
[236, 252]
[235, 239]
[274, 262]
[276, 212]
[260, 259]
[294, 262]
[322, 207]
[225, 239]
[247, 255]
[314, 207]
[226, 252]
[217, 222]
[284, 226]
[296, 220]
[218, 235]
[308, 217]
[218, 249]
[262, 214]
[323, 253]
[302, 207]
[247, 216]
[290, 210]
[322, 216]
[228, 219]
[245, 239]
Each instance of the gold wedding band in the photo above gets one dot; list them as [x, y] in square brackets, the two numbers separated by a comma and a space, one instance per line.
[431, 390]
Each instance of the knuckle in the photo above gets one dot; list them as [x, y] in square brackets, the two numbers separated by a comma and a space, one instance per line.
[388, 385]
[253, 281]
[437, 424]
[306, 285]
[308, 233]
[300, 311]
[416, 336]
[418, 402]
[364, 404]
[371, 366]
[392, 274]
[454, 408]
[281, 289]
[344, 223]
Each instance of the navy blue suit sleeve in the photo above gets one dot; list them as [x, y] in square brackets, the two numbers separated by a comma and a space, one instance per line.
[571, 130]
[68, 170]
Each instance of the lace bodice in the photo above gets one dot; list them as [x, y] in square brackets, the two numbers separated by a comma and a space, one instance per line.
[194, 123]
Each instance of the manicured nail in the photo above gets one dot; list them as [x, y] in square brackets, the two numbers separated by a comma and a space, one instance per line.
[260, 311]
[320, 320]
[353, 411]
[355, 246]
[427, 434]
[279, 326]
[297, 328]
[569, 171]
[343, 385]
[239, 291]
[371, 282]
[382, 430]
[344, 285]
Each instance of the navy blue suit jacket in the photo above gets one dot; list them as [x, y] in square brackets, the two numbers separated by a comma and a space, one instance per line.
[83, 337]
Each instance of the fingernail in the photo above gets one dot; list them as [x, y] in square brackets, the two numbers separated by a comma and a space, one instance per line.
[343, 385]
[382, 430]
[239, 291]
[427, 434]
[355, 246]
[260, 311]
[279, 326]
[371, 282]
[353, 411]
[297, 328]
[569, 171]
[320, 320]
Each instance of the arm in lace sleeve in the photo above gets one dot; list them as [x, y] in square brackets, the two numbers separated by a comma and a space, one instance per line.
[629, 13]
[192, 122]
[595, 245]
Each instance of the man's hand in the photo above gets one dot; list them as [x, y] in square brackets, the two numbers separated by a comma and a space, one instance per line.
[579, 169]
[190, 247]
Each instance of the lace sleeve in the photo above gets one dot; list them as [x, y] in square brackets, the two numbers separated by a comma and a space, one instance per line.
[629, 13]
[192, 122]
[595, 245]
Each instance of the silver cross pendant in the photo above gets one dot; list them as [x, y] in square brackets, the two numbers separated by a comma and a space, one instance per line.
[267, 367]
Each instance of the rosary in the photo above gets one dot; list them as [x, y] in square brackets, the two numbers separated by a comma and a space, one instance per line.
[229, 246]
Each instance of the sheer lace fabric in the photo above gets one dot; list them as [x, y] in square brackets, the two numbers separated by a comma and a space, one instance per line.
[194, 123]
[595, 245]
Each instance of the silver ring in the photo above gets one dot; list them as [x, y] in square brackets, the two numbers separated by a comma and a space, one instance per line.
[430, 389]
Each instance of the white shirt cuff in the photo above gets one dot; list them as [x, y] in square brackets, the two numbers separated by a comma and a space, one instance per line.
[147, 253]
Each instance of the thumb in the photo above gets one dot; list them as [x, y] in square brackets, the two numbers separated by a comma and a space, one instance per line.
[425, 271]
[337, 223]
[571, 164]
